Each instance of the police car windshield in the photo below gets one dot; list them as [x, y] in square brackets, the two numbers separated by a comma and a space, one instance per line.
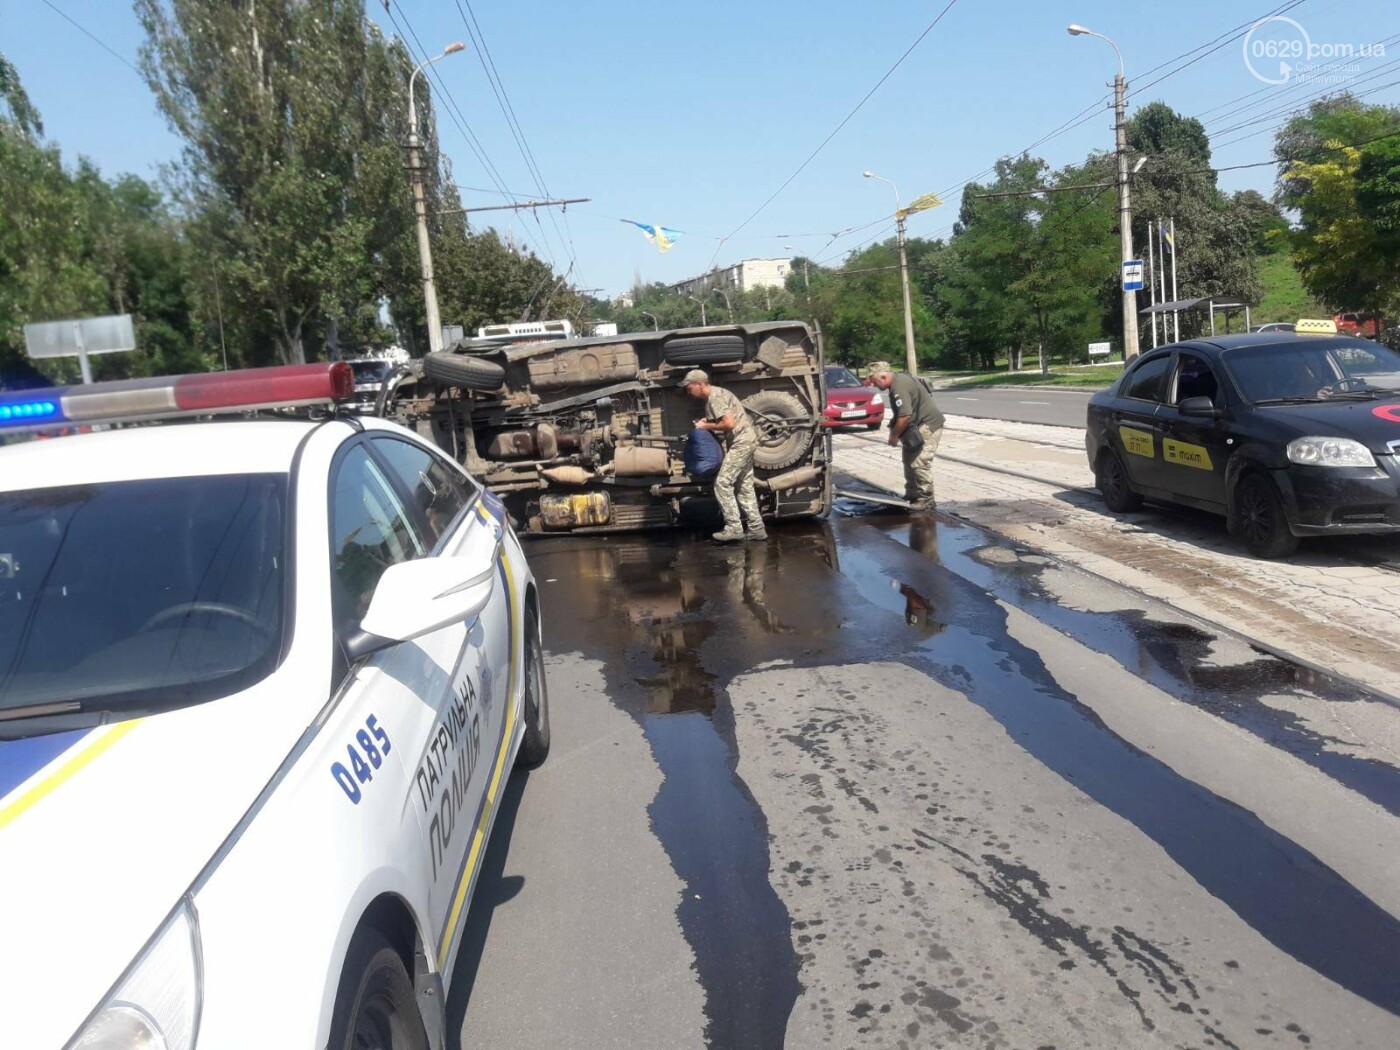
[1312, 370]
[142, 594]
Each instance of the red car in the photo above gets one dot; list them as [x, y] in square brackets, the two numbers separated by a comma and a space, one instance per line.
[849, 403]
[1362, 324]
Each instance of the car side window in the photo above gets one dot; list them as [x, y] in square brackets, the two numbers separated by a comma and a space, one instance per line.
[436, 489]
[1194, 378]
[1145, 383]
[371, 530]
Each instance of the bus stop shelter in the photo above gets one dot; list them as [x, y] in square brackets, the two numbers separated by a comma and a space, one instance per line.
[1209, 305]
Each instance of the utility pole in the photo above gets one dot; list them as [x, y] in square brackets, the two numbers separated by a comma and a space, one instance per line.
[654, 326]
[911, 360]
[420, 204]
[1125, 208]
[703, 322]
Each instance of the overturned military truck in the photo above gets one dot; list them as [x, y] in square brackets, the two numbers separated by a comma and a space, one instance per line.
[588, 434]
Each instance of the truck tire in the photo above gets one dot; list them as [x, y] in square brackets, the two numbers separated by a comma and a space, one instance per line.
[464, 370]
[704, 350]
[779, 448]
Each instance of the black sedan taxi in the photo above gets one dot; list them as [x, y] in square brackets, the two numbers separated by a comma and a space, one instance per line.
[1287, 434]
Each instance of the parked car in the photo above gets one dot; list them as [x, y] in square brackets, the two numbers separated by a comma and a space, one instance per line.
[587, 434]
[851, 403]
[1285, 434]
[1355, 323]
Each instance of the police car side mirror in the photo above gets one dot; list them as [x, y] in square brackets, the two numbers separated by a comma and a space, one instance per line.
[1199, 406]
[415, 598]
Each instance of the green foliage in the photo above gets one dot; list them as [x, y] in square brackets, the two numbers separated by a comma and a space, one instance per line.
[1284, 297]
[1347, 193]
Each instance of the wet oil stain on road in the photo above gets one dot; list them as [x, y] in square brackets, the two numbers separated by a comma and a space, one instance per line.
[674, 620]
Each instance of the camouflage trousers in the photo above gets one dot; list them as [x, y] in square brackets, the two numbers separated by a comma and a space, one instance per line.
[734, 487]
[918, 467]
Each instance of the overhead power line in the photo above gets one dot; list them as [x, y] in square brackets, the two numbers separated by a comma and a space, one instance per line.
[844, 121]
[94, 38]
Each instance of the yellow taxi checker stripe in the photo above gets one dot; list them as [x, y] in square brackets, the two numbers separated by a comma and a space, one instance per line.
[100, 742]
[459, 899]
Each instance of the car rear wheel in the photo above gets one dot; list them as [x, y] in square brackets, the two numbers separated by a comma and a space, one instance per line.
[872, 426]
[375, 1008]
[1118, 494]
[1260, 519]
[470, 373]
[534, 746]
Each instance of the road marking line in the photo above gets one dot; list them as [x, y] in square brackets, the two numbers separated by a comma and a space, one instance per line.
[968, 399]
[1032, 402]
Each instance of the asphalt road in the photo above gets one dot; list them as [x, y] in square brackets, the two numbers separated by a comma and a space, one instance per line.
[888, 782]
[1046, 404]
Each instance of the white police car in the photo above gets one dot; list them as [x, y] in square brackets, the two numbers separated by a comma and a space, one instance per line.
[261, 685]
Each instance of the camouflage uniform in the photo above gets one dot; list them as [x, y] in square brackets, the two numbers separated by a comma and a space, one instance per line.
[734, 482]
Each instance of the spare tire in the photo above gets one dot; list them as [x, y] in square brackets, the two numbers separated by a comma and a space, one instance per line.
[779, 446]
[704, 350]
[463, 370]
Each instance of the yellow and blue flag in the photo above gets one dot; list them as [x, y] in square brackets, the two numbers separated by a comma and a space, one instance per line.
[662, 236]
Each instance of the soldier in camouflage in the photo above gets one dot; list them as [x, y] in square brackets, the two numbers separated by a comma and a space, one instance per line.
[726, 416]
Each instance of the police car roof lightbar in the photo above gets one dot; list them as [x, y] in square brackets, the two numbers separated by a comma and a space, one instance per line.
[165, 397]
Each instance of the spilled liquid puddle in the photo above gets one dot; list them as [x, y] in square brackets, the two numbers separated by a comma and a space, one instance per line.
[1176, 658]
[673, 620]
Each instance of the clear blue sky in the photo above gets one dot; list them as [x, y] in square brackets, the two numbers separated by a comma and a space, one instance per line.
[691, 115]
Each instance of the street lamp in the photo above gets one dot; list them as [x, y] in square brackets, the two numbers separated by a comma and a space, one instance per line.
[1125, 207]
[420, 205]
[911, 361]
[654, 326]
[727, 303]
[703, 322]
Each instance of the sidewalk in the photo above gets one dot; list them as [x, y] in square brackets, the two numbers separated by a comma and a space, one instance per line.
[1325, 606]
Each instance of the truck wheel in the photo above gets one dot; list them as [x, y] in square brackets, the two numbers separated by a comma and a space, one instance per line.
[1261, 521]
[704, 350]
[375, 1005]
[471, 373]
[779, 446]
[534, 745]
[1112, 481]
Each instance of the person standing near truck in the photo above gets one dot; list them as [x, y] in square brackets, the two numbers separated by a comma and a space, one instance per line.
[726, 415]
[917, 426]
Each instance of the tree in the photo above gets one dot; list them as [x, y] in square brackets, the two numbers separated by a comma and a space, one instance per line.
[18, 112]
[292, 112]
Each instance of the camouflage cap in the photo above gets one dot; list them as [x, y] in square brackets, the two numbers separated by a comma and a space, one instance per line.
[695, 375]
[876, 367]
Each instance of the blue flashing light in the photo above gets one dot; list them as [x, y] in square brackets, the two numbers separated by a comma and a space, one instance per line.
[27, 411]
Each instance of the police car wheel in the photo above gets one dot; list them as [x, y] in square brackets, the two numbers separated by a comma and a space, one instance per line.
[1261, 522]
[534, 746]
[1118, 494]
[375, 1008]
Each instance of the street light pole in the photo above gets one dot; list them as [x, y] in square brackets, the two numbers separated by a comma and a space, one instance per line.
[420, 204]
[911, 360]
[1125, 207]
[654, 326]
[727, 303]
[703, 322]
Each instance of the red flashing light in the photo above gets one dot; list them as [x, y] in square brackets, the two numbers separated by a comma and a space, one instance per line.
[294, 384]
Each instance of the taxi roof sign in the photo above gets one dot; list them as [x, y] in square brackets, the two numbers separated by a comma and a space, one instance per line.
[1310, 326]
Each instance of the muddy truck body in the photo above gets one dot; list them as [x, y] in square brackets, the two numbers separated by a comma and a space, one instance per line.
[588, 434]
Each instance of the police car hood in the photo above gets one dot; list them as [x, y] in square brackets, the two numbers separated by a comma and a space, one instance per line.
[103, 830]
[1374, 423]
